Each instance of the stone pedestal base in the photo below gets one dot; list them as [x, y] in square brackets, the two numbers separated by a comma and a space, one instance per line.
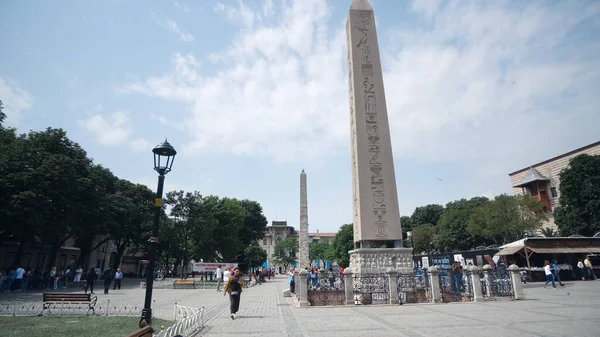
[380, 260]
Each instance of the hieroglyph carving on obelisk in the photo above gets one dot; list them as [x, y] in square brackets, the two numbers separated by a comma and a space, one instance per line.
[376, 212]
[303, 259]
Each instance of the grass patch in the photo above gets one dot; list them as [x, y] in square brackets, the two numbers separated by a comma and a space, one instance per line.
[73, 326]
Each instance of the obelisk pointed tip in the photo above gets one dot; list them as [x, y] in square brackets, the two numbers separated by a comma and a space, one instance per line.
[302, 172]
[361, 5]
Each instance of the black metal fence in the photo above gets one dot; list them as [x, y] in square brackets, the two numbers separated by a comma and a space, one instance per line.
[499, 285]
[326, 291]
[371, 288]
[413, 287]
[456, 285]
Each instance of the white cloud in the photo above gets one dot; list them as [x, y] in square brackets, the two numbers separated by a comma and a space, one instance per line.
[242, 14]
[180, 6]
[469, 81]
[111, 130]
[164, 121]
[172, 27]
[15, 101]
[139, 145]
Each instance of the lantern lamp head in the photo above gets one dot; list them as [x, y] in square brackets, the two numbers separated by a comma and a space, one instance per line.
[164, 155]
[409, 234]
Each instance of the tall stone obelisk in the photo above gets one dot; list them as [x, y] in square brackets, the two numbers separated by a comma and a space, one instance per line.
[303, 259]
[375, 198]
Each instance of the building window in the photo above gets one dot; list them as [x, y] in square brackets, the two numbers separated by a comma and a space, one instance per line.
[553, 192]
[264, 241]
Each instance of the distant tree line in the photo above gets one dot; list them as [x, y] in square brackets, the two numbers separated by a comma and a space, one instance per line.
[52, 192]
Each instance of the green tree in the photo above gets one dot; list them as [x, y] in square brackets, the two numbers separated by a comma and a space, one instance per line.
[48, 182]
[255, 222]
[549, 232]
[97, 190]
[423, 238]
[342, 244]
[406, 224]
[219, 224]
[2, 115]
[284, 252]
[451, 231]
[318, 251]
[429, 214]
[507, 218]
[183, 206]
[132, 211]
[255, 255]
[579, 210]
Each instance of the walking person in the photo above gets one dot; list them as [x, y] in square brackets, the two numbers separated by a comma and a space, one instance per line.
[118, 278]
[581, 270]
[291, 280]
[555, 271]
[219, 278]
[233, 287]
[90, 279]
[590, 268]
[77, 277]
[549, 275]
[108, 277]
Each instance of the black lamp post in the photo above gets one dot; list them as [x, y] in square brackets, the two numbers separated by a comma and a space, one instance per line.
[164, 155]
[412, 245]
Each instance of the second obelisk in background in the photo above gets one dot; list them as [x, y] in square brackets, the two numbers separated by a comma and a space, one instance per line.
[303, 259]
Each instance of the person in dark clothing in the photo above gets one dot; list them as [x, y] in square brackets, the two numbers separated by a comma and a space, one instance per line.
[108, 277]
[90, 278]
[233, 287]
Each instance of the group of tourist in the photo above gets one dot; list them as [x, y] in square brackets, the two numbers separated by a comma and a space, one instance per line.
[109, 277]
[20, 279]
[585, 270]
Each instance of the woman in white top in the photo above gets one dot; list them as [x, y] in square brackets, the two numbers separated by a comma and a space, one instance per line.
[549, 276]
[78, 273]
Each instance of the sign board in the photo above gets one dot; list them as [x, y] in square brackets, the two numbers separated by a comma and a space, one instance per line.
[202, 266]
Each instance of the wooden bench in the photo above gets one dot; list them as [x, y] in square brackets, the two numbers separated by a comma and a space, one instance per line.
[185, 283]
[145, 331]
[51, 299]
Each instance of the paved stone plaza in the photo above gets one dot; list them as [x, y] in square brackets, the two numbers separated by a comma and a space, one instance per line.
[573, 310]
[570, 311]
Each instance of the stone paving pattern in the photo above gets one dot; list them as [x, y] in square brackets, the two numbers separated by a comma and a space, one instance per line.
[573, 310]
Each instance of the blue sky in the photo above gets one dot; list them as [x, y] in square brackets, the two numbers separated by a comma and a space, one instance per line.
[252, 92]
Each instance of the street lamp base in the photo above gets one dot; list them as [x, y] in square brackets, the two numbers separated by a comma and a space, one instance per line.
[146, 318]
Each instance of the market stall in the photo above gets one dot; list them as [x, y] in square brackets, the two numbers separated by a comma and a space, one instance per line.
[531, 253]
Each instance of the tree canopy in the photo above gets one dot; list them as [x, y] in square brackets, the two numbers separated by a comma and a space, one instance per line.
[341, 244]
[507, 218]
[284, 251]
[52, 192]
[579, 210]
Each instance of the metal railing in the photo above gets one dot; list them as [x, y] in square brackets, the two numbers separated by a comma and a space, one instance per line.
[413, 287]
[371, 288]
[498, 286]
[326, 291]
[188, 321]
[456, 285]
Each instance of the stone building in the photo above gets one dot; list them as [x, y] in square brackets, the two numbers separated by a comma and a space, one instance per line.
[278, 231]
[542, 180]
